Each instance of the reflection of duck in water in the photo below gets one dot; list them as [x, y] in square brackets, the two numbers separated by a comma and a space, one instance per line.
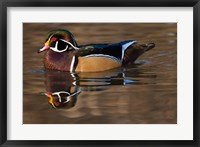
[64, 54]
[61, 92]
[62, 98]
[63, 88]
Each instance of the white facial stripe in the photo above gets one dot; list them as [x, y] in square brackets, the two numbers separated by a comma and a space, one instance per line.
[60, 51]
[57, 93]
[76, 48]
[59, 98]
[56, 48]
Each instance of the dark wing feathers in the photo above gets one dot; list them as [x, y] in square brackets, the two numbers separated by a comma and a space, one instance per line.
[112, 50]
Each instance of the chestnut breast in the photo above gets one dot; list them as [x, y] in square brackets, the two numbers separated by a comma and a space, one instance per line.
[58, 61]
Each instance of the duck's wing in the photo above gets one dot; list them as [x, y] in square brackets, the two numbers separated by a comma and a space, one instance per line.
[113, 51]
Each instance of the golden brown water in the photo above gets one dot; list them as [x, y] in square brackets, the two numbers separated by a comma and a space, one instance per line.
[144, 93]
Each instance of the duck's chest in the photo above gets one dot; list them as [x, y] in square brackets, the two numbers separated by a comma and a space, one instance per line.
[57, 61]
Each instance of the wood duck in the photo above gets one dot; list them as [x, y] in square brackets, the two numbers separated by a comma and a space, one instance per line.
[64, 54]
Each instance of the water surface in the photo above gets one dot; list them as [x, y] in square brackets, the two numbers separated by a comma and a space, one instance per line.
[143, 93]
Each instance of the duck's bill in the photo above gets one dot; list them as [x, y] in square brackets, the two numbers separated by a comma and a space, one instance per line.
[50, 99]
[46, 47]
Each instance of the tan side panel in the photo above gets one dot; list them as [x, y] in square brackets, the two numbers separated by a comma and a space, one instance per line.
[93, 64]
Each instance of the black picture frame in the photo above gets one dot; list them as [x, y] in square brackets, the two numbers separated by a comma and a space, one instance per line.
[100, 3]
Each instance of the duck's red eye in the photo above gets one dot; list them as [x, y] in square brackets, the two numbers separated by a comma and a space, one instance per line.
[57, 104]
[53, 39]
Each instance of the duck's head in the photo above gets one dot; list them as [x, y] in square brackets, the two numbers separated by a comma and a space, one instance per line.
[57, 99]
[59, 41]
[62, 99]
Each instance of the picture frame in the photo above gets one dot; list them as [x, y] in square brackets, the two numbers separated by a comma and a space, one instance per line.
[195, 4]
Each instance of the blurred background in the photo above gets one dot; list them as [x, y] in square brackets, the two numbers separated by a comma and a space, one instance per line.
[142, 93]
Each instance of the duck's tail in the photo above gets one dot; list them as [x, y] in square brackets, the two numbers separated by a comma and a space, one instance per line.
[134, 51]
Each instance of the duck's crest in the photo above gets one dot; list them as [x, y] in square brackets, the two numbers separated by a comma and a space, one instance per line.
[63, 31]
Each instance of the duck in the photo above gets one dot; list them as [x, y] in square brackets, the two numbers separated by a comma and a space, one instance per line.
[62, 53]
